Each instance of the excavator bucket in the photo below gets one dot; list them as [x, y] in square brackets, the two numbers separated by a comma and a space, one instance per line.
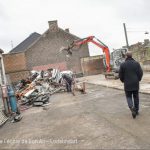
[67, 50]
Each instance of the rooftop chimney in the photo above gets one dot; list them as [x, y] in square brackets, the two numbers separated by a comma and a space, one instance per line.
[67, 30]
[53, 26]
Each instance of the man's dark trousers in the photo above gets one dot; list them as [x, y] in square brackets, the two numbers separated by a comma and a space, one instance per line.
[68, 86]
[133, 96]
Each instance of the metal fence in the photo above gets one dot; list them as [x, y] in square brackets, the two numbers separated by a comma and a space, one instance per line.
[3, 118]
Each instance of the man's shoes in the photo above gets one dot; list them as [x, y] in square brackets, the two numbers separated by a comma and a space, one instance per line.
[137, 113]
[133, 113]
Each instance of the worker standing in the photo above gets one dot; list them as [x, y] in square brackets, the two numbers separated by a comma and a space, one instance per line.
[68, 81]
[130, 74]
[42, 74]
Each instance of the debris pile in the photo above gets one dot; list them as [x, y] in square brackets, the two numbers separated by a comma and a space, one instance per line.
[37, 89]
[39, 86]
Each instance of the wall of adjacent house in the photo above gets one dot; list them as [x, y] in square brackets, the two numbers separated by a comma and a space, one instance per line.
[46, 51]
[14, 62]
[15, 66]
[92, 65]
[16, 76]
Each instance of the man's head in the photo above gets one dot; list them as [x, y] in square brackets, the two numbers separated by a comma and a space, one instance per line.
[64, 75]
[128, 54]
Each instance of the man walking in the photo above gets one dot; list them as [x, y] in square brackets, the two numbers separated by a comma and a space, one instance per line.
[130, 74]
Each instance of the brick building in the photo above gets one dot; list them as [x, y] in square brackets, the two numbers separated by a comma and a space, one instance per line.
[40, 52]
[141, 53]
[15, 66]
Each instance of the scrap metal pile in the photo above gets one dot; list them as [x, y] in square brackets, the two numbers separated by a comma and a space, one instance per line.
[37, 89]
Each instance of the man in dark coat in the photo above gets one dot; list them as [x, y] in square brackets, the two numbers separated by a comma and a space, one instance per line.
[130, 74]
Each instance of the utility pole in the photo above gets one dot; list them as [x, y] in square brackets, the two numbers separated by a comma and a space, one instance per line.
[12, 46]
[125, 32]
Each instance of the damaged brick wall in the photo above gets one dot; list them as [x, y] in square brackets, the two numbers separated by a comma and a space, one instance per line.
[46, 51]
[61, 66]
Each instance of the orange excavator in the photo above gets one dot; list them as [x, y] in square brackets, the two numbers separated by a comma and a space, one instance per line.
[95, 41]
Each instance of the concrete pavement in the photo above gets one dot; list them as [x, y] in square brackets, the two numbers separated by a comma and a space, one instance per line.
[117, 84]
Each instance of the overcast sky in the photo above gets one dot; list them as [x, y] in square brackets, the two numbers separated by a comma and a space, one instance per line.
[101, 18]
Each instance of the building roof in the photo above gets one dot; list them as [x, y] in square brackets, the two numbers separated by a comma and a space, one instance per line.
[26, 43]
[34, 38]
[43, 35]
[1, 51]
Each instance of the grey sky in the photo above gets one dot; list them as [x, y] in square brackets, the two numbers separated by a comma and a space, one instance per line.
[102, 18]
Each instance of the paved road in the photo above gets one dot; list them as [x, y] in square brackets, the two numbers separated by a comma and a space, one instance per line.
[98, 119]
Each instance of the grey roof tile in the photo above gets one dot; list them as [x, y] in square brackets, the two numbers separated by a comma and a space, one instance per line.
[26, 43]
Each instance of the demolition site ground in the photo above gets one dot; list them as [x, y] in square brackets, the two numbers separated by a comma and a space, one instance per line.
[98, 119]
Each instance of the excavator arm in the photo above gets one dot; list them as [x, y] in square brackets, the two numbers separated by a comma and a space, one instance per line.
[97, 42]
